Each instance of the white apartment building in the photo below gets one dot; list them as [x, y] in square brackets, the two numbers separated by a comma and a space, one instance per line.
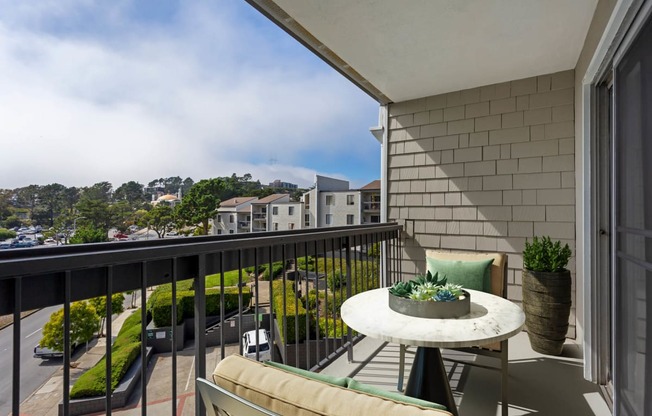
[276, 212]
[332, 204]
[234, 216]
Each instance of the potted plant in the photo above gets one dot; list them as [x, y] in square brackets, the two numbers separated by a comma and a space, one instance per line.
[546, 294]
[427, 296]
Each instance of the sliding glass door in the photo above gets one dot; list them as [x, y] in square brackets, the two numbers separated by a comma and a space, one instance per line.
[632, 239]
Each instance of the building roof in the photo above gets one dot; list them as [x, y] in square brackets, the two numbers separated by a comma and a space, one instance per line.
[372, 186]
[238, 200]
[271, 198]
[168, 197]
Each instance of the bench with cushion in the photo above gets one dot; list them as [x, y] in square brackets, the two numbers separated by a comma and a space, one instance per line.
[248, 387]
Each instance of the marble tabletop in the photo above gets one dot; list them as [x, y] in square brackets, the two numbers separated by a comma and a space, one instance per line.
[491, 319]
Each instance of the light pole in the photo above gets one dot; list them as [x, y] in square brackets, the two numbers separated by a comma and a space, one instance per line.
[74, 224]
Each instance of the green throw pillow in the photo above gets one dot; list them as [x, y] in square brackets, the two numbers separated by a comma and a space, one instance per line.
[364, 388]
[336, 381]
[474, 275]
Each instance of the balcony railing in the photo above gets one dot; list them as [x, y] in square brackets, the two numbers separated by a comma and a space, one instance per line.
[260, 216]
[38, 278]
[371, 206]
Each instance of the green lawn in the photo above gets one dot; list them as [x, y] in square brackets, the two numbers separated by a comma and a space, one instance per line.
[230, 279]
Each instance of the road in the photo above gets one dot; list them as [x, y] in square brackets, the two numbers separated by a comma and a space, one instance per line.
[33, 371]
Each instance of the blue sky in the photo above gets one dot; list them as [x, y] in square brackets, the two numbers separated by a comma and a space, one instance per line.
[135, 90]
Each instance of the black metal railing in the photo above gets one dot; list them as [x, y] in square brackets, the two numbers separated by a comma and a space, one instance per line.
[317, 268]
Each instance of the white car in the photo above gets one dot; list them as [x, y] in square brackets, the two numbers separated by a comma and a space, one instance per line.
[249, 345]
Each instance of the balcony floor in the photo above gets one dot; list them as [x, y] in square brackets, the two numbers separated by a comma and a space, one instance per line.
[538, 384]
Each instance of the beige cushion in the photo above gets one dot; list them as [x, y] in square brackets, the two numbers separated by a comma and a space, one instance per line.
[291, 394]
[498, 272]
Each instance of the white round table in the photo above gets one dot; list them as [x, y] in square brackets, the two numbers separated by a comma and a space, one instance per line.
[491, 319]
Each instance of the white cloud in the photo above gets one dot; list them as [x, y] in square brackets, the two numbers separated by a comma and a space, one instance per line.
[212, 94]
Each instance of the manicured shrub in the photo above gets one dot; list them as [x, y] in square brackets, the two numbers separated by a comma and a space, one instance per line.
[336, 328]
[125, 350]
[92, 383]
[5, 234]
[293, 314]
[161, 309]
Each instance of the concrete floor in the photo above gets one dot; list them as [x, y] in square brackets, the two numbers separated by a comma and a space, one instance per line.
[538, 384]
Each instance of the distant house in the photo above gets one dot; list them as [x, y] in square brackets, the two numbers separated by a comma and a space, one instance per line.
[171, 199]
[284, 214]
[280, 184]
[234, 216]
[332, 204]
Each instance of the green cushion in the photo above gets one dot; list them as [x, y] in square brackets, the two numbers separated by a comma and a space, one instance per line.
[474, 275]
[336, 381]
[364, 388]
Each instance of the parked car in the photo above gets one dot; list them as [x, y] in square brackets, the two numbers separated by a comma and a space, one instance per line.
[43, 353]
[249, 345]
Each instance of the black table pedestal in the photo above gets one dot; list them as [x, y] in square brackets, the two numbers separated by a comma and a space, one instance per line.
[428, 379]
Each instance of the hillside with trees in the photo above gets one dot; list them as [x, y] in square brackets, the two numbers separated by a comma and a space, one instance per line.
[91, 211]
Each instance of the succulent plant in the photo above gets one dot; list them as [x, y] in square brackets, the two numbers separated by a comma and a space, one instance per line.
[453, 288]
[402, 289]
[427, 287]
[445, 296]
[419, 293]
[429, 278]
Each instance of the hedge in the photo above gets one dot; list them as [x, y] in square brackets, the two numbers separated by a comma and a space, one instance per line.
[125, 350]
[292, 314]
[161, 307]
[277, 269]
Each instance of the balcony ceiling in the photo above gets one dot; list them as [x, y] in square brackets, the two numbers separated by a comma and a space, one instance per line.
[398, 50]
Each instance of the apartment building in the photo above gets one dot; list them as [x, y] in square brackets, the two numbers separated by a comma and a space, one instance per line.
[331, 203]
[234, 216]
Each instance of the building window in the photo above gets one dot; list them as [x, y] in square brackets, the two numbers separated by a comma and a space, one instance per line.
[219, 232]
[274, 210]
[330, 200]
[290, 210]
[275, 226]
[231, 231]
[375, 218]
[290, 226]
[219, 218]
[329, 219]
[248, 218]
[350, 199]
[306, 220]
[349, 219]
[232, 218]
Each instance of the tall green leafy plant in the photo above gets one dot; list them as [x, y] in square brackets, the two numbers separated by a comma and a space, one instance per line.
[543, 255]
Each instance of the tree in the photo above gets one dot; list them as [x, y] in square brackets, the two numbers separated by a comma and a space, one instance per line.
[51, 200]
[71, 197]
[28, 197]
[101, 191]
[132, 192]
[83, 324]
[161, 219]
[201, 202]
[95, 211]
[99, 303]
[88, 234]
[187, 184]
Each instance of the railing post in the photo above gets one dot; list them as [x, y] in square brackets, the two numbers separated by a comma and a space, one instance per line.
[15, 391]
[200, 329]
[347, 247]
[66, 343]
[107, 323]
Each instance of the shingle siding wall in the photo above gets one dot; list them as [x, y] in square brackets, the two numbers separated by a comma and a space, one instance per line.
[485, 169]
